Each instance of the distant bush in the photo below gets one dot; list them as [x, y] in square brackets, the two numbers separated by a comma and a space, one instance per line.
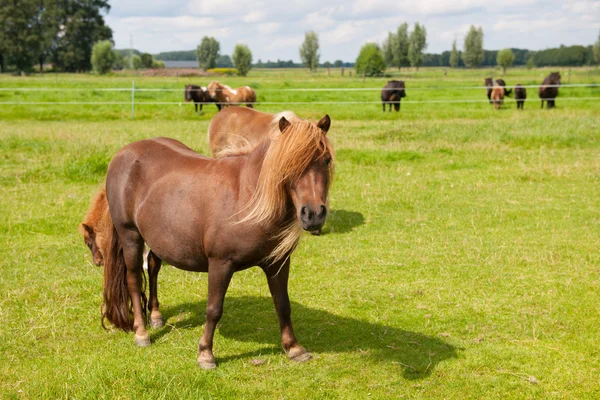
[146, 60]
[136, 62]
[223, 71]
[370, 60]
[157, 64]
[102, 57]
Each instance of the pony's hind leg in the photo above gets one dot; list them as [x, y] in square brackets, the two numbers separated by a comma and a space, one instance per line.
[133, 249]
[219, 276]
[278, 285]
[154, 264]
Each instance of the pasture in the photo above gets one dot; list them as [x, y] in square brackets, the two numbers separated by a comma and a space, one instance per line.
[459, 260]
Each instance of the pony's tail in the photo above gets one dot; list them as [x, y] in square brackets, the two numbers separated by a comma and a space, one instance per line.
[117, 307]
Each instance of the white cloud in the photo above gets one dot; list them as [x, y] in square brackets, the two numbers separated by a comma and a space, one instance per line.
[269, 28]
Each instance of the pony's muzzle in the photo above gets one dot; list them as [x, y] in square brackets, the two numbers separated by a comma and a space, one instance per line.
[313, 219]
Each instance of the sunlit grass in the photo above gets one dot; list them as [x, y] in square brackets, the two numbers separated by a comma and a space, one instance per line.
[460, 260]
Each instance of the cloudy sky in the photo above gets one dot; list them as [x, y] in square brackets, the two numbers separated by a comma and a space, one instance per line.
[274, 29]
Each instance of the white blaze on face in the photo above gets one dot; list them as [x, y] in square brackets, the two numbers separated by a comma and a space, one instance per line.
[204, 89]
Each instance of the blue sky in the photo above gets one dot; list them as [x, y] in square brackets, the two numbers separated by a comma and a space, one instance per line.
[275, 29]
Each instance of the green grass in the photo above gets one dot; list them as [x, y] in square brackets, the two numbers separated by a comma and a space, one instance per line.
[460, 259]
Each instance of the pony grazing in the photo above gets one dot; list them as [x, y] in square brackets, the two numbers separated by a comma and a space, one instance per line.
[520, 96]
[199, 95]
[93, 226]
[236, 127]
[489, 86]
[213, 215]
[497, 96]
[225, 96]
[549, 89]
[392, 93]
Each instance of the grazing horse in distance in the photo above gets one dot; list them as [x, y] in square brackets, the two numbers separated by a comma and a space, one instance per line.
[226, 96]
[199, 94]
[520, 96]
[239, 126]
[549, 89]
[497, 96]
[392, 93]
[213, 215]
[489, 86]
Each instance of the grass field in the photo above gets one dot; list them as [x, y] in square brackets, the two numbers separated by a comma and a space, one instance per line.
[460, 259]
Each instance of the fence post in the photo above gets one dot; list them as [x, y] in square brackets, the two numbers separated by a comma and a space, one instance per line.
[132, 99]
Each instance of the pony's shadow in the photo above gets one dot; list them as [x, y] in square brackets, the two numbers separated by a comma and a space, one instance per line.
[319, 331]
[342, 221]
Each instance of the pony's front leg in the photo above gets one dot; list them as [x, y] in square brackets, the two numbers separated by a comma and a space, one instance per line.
[278, 285]
[219, 276]
[154, 264]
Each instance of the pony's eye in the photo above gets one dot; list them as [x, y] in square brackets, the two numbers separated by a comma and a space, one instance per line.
[327, 160]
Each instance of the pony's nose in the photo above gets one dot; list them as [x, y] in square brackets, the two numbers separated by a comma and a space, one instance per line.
[313, 219]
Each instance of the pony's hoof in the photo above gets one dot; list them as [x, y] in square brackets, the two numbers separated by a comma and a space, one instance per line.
[207, 362]
[299, 354]
[142, 341]
[156, 323]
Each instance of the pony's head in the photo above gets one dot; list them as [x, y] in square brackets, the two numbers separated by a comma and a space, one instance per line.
[555, 78]
[213, 88]
[90, 240]
[296, 172]
[188, 92]
[94, 225]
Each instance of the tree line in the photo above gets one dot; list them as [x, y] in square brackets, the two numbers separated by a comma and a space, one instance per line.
[62, 32]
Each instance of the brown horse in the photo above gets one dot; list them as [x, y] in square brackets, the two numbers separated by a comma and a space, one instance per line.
[93, 227]
[226, 96]
[549, 89]
[392, 93]
[497, 96]
[489, 86]
[520, 96]
[240, 126]
[199, 95]
[213, 215]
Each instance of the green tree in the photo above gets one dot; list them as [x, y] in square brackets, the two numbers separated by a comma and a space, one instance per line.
[338, 63]
[224, 61]
[388, 48]
[120, 61]
[136, 62]
[473, 48]
[207, 53]
[370, 61]
[103, 57]
[146, 59]
[242, 59]
[454, 56]
[402, 43]
[17, 40]
[417, 44]
[80, 25]
[505, 59]
[530, 62]
[596, 50]
[158, 64]
[309, 51]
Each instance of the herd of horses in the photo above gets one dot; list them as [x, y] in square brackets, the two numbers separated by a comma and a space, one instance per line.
[267, 182]
[394, 91]
[220, 94]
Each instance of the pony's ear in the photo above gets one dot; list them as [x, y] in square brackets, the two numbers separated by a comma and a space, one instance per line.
[283, 123]
[83, 228]
[324, 123]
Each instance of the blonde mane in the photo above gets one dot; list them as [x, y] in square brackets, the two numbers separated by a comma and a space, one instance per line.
[289, 154]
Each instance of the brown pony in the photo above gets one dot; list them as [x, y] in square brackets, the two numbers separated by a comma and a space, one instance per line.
[226, 96]
[199, 95]
[497, 96]
[549, 89]
[239, 126]
[520, 96]
[213, 215]
[93, 227]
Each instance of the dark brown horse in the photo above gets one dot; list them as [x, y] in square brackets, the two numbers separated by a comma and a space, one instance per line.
[489, 86]
[239, 126]
[520, 96]
[213, 215]
[549, 89]
[199, 95]
[226, 96]
[392, 93]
